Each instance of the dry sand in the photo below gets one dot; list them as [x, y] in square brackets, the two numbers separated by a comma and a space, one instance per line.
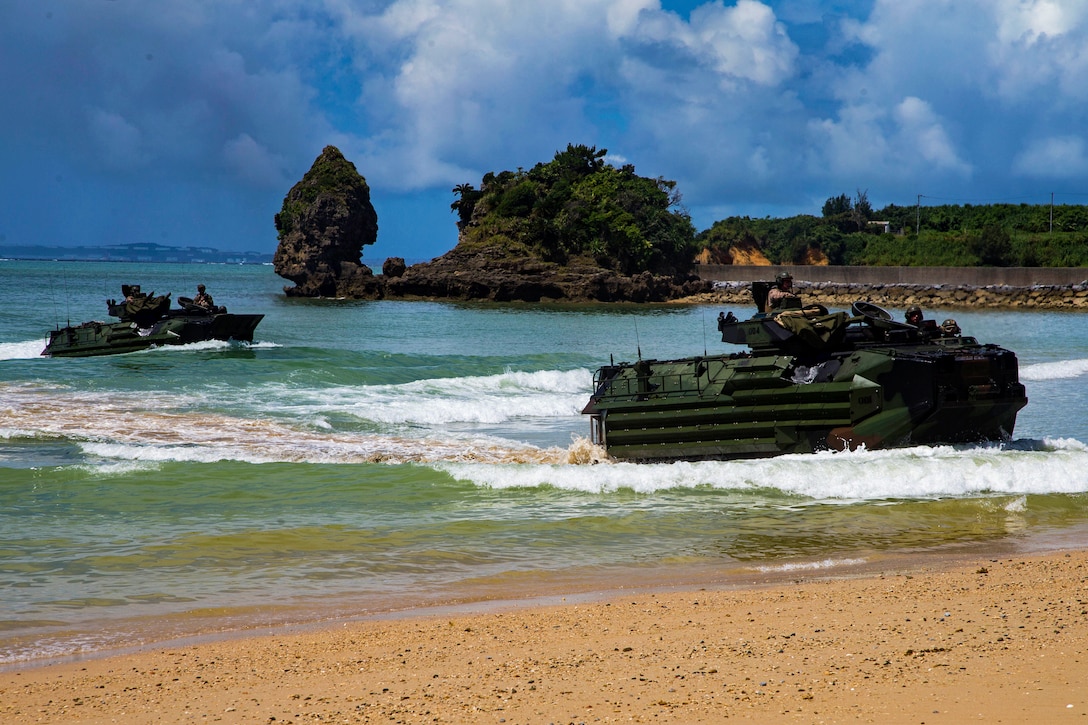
[990, 640]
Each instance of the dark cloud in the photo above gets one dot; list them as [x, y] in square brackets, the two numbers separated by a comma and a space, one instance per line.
[187, 121]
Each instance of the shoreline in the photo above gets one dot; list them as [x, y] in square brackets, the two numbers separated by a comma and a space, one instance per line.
[208, 625]
[1072, 298]
[997, 634]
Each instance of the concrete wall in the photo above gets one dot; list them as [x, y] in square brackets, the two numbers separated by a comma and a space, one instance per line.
[970, 276]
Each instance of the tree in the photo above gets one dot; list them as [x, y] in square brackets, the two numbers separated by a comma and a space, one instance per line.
[467, 196]
[863, 211]
[837, 205]
[838, 211]
[578, 161]
[993, 247]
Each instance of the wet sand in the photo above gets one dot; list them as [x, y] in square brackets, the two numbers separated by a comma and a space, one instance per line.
[1001, 639]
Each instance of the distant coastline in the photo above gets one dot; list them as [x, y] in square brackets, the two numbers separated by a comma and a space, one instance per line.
[139, 252]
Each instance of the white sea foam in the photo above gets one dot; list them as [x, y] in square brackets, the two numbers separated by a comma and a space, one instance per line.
[1059, 370]
[202, 346]
[1017, 505]
[488, 399]
[31, 349]
[120, 426]
[189, 347]
[809, 565]
[122, 467]
[297, 447]
[923, 472]
[27, 350]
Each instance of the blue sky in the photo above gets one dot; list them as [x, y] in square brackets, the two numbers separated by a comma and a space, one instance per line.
[185, 122]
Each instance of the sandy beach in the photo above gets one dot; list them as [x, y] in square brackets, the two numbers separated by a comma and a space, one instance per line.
[999, 639]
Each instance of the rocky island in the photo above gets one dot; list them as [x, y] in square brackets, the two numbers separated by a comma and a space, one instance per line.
[574, 229]
[325, 222]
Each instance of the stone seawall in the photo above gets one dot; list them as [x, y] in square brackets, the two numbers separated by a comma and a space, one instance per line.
[899, 296]
[936, 288]
[927, 276]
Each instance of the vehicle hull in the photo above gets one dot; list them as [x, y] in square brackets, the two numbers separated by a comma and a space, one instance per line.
[111, 338]
[770, 402]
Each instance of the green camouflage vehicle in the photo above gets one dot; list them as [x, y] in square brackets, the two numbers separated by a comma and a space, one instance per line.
[809, 381]
[146, 320]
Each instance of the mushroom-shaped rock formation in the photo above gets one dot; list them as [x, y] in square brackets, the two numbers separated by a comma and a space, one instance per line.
[325, 222]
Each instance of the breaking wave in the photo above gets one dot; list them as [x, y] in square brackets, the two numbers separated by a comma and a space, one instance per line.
[1020, 467]
[1060, 370]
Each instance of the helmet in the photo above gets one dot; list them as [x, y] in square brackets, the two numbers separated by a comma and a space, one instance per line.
[782, 276]
[950, 327]
[914, 310]
[200, 288]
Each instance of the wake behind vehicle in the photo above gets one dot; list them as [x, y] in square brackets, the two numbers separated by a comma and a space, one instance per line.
[147, 320]
[810, 381]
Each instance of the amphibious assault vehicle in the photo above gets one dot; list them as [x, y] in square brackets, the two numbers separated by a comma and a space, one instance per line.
[809, 381]
[146, 320]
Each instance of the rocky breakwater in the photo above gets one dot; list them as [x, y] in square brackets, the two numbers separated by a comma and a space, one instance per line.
[938, 297]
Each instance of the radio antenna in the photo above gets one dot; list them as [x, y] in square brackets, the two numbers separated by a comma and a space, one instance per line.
[638, 344]
[53, 298]
[704, 333]
[67, 301]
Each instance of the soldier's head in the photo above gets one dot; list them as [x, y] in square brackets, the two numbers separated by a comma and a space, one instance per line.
[200, 288]
[949, 327]
[914, 314]
[783, 280]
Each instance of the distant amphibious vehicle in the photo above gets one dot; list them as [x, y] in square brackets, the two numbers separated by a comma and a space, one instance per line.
[147, 321]
[809, 381]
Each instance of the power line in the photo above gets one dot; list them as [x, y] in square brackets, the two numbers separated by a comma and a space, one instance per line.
[1040, 199]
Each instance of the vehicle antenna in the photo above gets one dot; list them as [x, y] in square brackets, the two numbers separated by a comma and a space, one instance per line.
[67, 307]
[53, 299]
[638, 345]
[704, 333]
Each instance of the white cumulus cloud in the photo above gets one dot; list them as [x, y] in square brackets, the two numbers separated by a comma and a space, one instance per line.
[1062, 157]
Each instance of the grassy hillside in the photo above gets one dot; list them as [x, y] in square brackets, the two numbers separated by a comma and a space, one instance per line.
[1002, 235]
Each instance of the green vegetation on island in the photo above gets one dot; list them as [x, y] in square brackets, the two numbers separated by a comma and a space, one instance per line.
[579, 206]
[851, 232]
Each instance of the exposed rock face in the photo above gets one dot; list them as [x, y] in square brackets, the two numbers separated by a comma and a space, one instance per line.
[490, 275]
[748, 254]
[326, 220]
[740, 253]
[393, 267]
[816, 258]
[713, 256]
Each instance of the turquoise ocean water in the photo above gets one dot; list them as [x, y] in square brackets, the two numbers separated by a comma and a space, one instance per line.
[367, 457]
